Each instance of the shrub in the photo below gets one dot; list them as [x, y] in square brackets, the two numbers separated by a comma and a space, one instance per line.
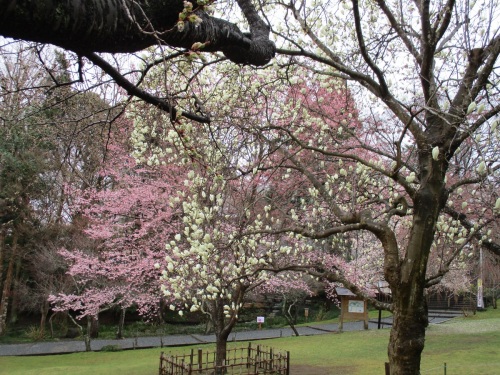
[35, 333]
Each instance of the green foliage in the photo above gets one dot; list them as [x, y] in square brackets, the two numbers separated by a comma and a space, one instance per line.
[35, 333]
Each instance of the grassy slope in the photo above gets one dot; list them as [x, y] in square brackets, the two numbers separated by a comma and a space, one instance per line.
[468, 346]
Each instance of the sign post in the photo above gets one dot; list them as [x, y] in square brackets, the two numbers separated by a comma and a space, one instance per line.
[351, 307]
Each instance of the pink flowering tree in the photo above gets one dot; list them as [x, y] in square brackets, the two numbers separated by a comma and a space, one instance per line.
[129, 218]
[293, 288]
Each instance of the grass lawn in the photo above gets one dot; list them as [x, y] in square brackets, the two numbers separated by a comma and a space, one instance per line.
[468, 346]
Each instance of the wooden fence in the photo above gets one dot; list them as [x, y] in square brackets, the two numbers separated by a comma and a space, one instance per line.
[243, 360]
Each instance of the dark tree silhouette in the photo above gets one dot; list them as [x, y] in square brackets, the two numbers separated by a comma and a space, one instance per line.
[130, 25]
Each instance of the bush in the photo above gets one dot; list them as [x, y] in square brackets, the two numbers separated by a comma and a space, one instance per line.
[35, 333]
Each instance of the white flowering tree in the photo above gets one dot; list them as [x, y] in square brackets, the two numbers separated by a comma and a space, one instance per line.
[214, 262]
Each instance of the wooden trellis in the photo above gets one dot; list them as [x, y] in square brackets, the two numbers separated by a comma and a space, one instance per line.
[259, 360]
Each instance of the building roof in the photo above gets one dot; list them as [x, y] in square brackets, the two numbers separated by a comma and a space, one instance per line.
[343, 292]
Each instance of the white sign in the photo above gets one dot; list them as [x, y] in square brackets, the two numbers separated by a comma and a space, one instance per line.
[480, 300]
[260, 319]
[356, 306]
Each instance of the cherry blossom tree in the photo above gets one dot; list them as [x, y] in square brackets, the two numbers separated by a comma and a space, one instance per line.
[129, 220]
[293, 288]
[423, 75]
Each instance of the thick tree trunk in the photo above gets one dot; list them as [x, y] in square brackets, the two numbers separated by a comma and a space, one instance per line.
[408, 332]
[408, 282]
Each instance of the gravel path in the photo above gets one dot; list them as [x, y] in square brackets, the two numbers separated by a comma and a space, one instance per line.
[71, 346]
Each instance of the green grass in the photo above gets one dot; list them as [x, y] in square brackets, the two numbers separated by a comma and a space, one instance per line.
[469, 346]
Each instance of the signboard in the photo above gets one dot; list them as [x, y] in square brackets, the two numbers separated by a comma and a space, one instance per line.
[351, 307]
[260, 319]
[356, 306]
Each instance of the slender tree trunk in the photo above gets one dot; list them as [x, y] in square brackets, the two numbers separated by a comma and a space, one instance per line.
[7, 286]
[14, 305]
[222, 331]
[121, 324]
[2, 247]
[44, 311]
[94, 327]
[87, 337]
[287, 313]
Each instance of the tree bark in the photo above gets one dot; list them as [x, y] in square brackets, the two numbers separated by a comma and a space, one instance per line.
[408, 332]
[287, 313]
[121, 323]
[220, 353]
[408, 286]
[222, 330]
[94, 327]
[88, 336]
[7, 286]
[44, 311]
[14, 305]
[2, 251]
[86, 26]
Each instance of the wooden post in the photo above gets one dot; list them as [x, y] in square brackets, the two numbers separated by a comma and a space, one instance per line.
[191, 358]
[287, 363]
[249, 354]
[387, 369]
[200, 358]
[271, 365]
[161, 364]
